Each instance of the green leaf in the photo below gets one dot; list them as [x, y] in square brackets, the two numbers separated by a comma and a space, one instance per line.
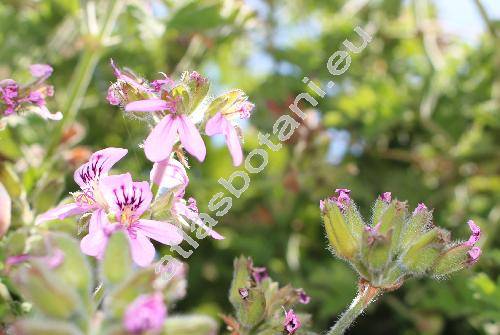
[45, 327]
[75, 270]
[48, 293]
[117, 263]
[190, 325]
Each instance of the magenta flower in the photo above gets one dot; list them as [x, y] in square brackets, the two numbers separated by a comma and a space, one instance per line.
[9, 91]
[475, 233]
[291, 323]
[147, 313]
[127, 201]
[220, 124]
[386, 197]
[31, 97]
[87, 177]
[159, 143]
[303, 297]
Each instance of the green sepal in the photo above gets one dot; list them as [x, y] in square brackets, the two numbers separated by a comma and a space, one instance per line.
[339, 234]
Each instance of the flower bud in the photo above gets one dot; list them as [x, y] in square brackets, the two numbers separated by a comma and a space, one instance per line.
[5, 210]
[425, 250]
[342, 241]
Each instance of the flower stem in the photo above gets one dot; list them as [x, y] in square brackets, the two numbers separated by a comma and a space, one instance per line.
[366, 294]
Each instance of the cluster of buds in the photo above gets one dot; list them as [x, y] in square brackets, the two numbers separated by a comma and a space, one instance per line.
[397, 245]
[261, 306]
[180, 111]
[15, 98]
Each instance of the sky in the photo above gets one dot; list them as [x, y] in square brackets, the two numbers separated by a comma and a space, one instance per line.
[461, 17]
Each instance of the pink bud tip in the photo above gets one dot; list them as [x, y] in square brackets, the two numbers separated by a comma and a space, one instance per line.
[421, 207]
[386, 197]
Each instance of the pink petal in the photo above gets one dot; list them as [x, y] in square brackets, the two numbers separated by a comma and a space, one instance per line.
[99, 164]
[47, 115]
[215, 125]
[162, 232]
[41, 70]
[191, 139]
[149, 105]
[96, 241]
[60, 213]
[233, 144]
[160, 141]
[170, 174]
[142, 249]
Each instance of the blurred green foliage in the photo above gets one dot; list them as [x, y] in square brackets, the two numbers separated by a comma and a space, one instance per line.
[417, 114]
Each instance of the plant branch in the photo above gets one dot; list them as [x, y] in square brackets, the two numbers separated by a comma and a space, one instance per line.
[366, 294]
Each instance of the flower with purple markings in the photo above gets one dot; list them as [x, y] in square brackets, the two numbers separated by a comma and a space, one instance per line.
[291, 323]
[88, 176]
[126, 202]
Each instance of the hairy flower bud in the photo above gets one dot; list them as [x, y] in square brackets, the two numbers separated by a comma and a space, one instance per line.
[340, 235]
[395, 245]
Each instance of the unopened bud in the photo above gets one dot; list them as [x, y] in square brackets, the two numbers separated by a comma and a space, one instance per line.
[339, 233]
[425, 250]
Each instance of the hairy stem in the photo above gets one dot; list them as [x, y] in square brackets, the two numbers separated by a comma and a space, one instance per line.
[85, 68]
[366, 294]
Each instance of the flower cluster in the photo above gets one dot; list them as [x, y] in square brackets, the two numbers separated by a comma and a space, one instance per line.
[180, 111]
[260, 305]
[15, 97]
[396, 245]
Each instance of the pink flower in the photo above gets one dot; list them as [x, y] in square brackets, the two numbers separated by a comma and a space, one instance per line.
[421, 207]
[474, 254]
[259, 274]
[147, 313]
[342, 199]
[158, 145]
[303, 297]
[127, 201]
[41, 70]
[291, 323]
[9, 90]
[386, 197]
[475, 234]
[220, 124]
[87, 177]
